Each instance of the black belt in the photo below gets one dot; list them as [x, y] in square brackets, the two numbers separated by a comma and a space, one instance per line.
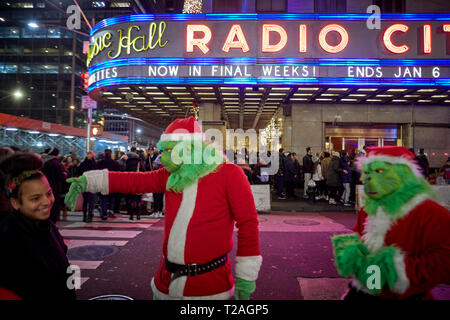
[191, 270]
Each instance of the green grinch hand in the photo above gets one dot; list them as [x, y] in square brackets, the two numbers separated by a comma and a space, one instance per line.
[78, 186]
[349, 254]
[378, 270]
[243, 289]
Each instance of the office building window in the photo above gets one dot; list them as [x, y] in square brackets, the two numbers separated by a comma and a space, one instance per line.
[40, 68]
[98, 4]
[391, 6]
[231, 6]
[27, 5]
[9, 32]
[271, 6]
[8, 68]
[120, 4]
[330, 6]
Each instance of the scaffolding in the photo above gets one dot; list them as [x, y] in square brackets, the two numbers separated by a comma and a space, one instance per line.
[35, 141]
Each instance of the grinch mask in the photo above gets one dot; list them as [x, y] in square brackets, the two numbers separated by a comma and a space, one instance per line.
[390, 186]
[187, 161]
[380, 179]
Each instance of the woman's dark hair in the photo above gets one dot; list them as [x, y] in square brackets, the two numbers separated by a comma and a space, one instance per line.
[14, 166]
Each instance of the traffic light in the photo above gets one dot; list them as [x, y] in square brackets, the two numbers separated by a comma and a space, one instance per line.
[85, 78]
[102, 121]
[96, 131]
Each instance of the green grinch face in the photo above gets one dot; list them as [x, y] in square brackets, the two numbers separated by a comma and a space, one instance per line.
[166, 156]
[380, 179]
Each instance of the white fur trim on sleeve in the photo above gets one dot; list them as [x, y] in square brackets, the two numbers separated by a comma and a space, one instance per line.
[247, 268]
[402, 283]
[97, 181]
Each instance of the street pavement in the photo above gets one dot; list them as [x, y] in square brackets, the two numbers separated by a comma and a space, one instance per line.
[119, 256]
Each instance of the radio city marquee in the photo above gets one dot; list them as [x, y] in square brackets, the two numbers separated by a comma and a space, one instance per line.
[208, 49]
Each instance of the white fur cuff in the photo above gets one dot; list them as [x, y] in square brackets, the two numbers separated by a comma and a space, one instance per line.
[97, 181]
[402, 283]
[247, 268]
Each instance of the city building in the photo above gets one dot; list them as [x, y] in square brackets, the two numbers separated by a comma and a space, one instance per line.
[42, 56]
[328, 73]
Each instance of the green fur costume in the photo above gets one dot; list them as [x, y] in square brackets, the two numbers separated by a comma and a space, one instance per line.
[388, 186]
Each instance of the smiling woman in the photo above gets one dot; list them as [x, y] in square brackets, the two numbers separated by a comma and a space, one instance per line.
[34, 262]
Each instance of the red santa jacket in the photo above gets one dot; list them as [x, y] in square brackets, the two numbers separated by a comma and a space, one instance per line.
[198, 227]
[422, 239]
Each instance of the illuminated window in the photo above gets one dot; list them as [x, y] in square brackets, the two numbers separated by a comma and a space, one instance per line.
[271, 5]
[391, 6]
[25, 5]
[330, 6]
[9, 32]
[98, 4]
[8, 67]
[118, 4]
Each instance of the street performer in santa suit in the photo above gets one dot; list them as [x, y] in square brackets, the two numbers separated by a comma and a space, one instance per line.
[401, 249]
[205, 196]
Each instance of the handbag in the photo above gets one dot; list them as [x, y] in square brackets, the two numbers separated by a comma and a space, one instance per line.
[311, 183]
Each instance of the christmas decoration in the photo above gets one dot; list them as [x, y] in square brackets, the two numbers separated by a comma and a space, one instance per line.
[192, 6]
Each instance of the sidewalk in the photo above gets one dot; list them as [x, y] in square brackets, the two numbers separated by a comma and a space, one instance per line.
[305, 205]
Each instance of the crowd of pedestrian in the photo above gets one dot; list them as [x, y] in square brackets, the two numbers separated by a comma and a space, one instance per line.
[327, 176]
[57, 169]
[330, 176]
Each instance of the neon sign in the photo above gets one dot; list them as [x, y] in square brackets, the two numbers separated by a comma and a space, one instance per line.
[271, 48]
[129, 42]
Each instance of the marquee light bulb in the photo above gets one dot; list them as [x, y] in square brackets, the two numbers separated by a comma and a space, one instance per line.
[240, 43]
[323, 38]
[266, 30]
[199, 42]
[387, 38]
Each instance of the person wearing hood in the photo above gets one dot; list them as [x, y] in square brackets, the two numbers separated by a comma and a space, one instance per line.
[56, 175]
[88, 164]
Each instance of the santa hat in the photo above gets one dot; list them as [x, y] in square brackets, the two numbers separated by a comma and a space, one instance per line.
[390, 154]
[183, 129]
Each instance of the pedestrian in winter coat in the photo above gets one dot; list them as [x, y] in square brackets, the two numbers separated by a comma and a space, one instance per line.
[346, 177]
[291, 175]
[307, 170]
[134, 164]
[280, 178]
[74, 169]
[325, 163]
[56, 175]
[107, 201]
[88, 164]
[5, 207]
[34, 265]
[333, 178]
